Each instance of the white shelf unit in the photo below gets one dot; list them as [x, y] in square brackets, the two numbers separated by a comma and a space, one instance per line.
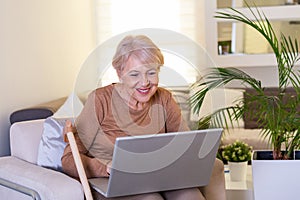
[284, 13]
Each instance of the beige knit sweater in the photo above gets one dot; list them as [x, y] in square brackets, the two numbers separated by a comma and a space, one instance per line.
[106, 116]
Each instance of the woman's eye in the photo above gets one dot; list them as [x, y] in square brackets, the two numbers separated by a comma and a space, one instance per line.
[152, 73]
[133, 74]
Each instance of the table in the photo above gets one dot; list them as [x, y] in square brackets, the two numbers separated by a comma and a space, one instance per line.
[239, 190]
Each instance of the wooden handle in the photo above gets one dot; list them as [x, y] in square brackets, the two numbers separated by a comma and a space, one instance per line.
[79, 166]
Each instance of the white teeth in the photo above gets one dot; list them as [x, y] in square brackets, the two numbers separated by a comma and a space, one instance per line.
[143, 90]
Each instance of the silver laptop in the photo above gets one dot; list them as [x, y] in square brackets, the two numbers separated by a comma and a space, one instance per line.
[160, 162]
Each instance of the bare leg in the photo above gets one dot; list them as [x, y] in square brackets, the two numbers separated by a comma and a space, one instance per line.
[184, 194]
[215, 190]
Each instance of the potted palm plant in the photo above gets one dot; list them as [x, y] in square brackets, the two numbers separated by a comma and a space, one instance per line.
[278, 114]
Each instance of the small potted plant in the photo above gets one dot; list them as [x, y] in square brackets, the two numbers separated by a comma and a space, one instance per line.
[237, 154]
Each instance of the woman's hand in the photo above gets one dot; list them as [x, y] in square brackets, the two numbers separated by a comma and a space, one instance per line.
[68, 128]
[108, 167]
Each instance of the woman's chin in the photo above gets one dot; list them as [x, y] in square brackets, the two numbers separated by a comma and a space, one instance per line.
[143, 99]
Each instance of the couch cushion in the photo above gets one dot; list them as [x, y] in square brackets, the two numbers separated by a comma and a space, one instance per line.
[25, 138]
[52, 146]
[251, 122]
[252, 137]
[220, 98]
[49, 184]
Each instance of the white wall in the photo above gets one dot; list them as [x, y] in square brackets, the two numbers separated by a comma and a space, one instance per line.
[42, 45]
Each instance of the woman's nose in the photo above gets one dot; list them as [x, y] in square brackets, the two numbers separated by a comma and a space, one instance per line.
[145, 80]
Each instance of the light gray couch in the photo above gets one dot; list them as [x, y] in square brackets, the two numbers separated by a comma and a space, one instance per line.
[21, 178]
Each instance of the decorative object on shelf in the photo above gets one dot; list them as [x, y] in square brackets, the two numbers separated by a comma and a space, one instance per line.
[224, 47]
[291, 2]
[237, 154]
[278, 115]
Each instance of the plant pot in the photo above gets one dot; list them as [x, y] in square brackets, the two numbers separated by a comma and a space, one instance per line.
[238, 170]
[275, 179]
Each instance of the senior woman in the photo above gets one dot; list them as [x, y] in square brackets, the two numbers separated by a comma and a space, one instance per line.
[135, 105]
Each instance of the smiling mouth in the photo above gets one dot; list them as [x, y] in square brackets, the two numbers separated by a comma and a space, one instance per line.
[143, 90]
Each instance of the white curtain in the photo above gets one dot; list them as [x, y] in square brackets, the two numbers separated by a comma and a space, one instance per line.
[117, 16]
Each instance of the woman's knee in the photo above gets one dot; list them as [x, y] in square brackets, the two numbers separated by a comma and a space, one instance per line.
[189, 193]
[148, 196]
[152, 196]
[218, 167]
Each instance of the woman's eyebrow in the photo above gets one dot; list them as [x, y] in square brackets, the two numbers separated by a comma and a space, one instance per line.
[133, 71]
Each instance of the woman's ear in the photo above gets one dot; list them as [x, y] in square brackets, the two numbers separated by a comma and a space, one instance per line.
[119, 73]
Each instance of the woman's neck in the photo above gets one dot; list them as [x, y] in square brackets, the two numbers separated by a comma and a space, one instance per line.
[126, 96]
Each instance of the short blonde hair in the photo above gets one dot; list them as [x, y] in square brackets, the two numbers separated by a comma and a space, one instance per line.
[140, 47]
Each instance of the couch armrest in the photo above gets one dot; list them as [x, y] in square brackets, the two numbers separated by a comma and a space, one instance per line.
[18, 189]
[25, 138]
[49, 184]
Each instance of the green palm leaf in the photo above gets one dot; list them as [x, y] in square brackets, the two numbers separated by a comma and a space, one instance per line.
[276, 115]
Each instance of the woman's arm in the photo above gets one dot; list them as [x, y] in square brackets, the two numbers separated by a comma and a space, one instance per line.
[87, 125]
[93, 167]
[174, 119]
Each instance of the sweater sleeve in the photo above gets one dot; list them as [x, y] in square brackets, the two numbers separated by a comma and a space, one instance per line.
[88, 127]
[174, 119]
[92, 166]
[87, 123]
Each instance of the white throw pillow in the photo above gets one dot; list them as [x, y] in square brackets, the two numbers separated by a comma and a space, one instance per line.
[52, 145]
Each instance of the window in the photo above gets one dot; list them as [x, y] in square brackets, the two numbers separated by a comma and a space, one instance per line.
[132, 14]
[118, 16]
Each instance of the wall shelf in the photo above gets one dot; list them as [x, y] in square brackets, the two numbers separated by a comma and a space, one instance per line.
[274, 13]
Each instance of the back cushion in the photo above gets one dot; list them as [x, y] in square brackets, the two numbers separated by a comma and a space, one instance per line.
[220, 98]
[52, 145]
[251, 122]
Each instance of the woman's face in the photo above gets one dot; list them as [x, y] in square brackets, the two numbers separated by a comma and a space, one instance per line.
[140, 80]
